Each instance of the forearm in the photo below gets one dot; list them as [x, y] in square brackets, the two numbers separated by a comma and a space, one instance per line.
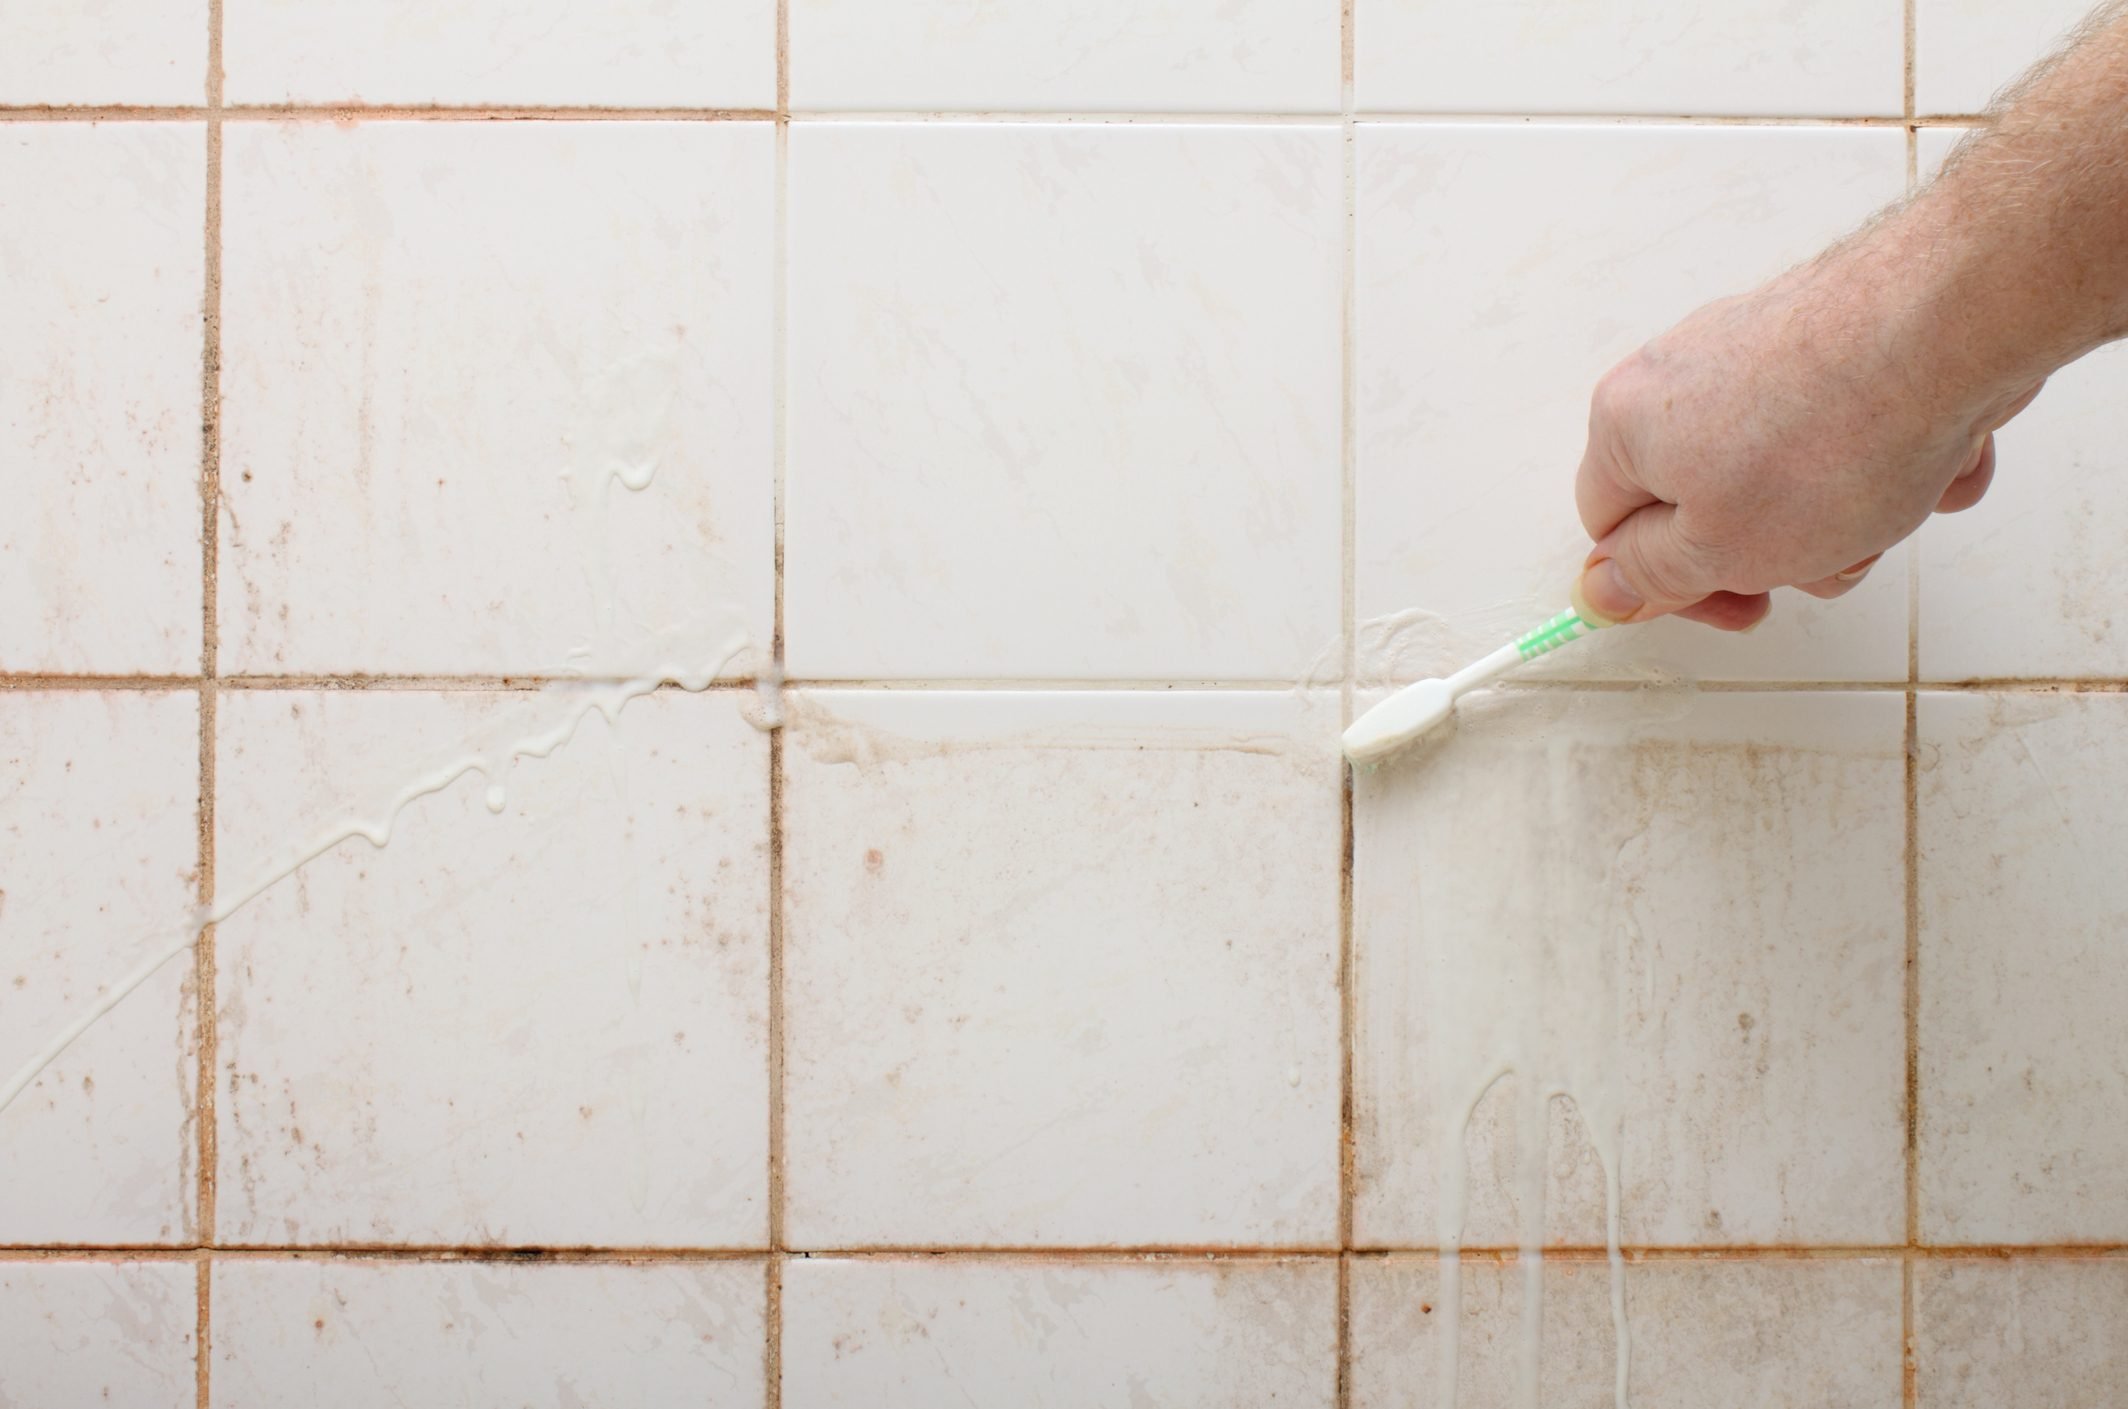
[2015, 260]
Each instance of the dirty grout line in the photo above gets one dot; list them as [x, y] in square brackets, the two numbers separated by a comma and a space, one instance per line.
[1910, 31]
[518, 683]
[205, 1009]
[1064, 117]
[1912, 1048]
[1153, 1252]
[355, 112]
[31, 682]
[1041, 686]
[1348, 626]
[145, 683]
[779, 396]
[1438, 119]
[1909, 1364]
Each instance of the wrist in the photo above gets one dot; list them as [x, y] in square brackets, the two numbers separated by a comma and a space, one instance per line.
[1956, 334]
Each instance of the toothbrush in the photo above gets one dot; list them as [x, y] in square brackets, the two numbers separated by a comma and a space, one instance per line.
[1415, 709]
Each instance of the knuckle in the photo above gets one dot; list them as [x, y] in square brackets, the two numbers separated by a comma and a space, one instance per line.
[1612, 400]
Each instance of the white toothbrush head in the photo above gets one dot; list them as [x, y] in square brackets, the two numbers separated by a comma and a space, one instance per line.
[1398, 720]
[1415, 709]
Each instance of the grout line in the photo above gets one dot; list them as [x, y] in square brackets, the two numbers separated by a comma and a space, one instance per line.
[519, 683]
[772, 1332]
[1474, 119]
[1066, 117]
[1912, 1004]
[1909, 1366]
[1348, 626]
[205, 1005]
[202, 1333]
[1036, 685]
[543, 1256]
[443, 112]
[33, 682]
[356, 112]
[1912, 56]
[30, 682]
[1154, 1252]
[779, 382]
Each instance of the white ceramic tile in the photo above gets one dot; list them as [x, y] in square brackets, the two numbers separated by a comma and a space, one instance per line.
[1061, 969]
[98, 854]
[2036, 1333]
[1965, 50]
[544, 1026]
[1688, 911]
[101, 255]
[1064, 401]
[1674, 57]
[910, 1335]
[2027, 582]
[444, 344]
[103, 51]
[1502, 270]
[2024, 1121]
[89, 1335]
[1037, 55]
[1771, 1335]
[626, 53]
[353, 1335]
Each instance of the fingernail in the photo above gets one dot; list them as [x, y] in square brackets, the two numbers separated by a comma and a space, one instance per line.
[1602, 596]
[1852, 574]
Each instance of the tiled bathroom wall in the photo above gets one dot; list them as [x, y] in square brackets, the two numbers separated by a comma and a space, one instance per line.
[739, 612]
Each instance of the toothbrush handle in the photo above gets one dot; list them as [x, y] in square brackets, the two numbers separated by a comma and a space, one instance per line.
[1539, 640]
[1543, 640]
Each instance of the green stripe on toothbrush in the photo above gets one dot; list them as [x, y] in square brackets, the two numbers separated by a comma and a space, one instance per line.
[1565, 627]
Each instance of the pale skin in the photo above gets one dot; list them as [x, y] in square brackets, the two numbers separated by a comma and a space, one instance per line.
[1787, 437]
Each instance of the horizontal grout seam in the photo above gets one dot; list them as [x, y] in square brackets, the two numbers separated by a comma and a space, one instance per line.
[355, 112]
[34, 682]
[150, 1252]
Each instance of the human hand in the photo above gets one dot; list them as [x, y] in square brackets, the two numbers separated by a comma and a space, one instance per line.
[1785, 438]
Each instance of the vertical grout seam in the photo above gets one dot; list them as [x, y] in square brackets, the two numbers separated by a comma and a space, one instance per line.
[1349, 620]
[203, 956]
[772, 1318]
[1909, 1365]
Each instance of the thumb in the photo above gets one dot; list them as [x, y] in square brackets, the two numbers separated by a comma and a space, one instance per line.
[1645, 567]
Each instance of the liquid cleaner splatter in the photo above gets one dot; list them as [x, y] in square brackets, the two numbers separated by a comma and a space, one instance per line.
[1472, 989]
[625, 658]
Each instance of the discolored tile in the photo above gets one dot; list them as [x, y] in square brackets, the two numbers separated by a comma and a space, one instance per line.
[622, 53]
[349, 1335]
[99, 796]
[1682, 913]
[102, 256]
[538, 1015]
[1061, 969]
[1190, 1334]
[494, 397]
[2039, 1333]
[1064, 401]
[2023, 1117]
[86, 1335]
[1787, 1334]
